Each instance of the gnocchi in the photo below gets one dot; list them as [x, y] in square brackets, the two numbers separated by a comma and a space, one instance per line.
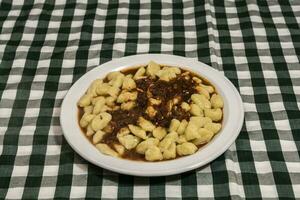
[213, 114]
[170, 152]
[159, 132]
[85, 100]
[146, 144]
[88, 109]
[86, 119]
[182, 127]
[204, 136]
[127, 96]
[128, 84]
[92, 90]
[105, 149]
[216, 101]
[201, 101]
[152, 68]
[129, 141]
[119, 148]
[97, 137]
[153, 154]
[128, 105]
[139, 74]
[152, 113]
[145, 124]
[103, 88]
[186, 148]
[174, 125]
[185, 106]
[100, 121]
[137, 131]
[99, 104]
[89, 130]
[196, 110]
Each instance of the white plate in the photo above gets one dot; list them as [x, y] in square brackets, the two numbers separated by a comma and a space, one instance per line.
[232, 121]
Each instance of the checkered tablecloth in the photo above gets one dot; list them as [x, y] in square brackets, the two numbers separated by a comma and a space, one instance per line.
[46, 47]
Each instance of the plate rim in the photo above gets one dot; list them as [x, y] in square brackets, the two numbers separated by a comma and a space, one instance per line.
[162, 172]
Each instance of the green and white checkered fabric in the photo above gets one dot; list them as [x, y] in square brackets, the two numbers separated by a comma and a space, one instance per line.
[45, 47]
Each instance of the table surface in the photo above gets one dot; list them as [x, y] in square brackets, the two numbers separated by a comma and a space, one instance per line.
[46, 47]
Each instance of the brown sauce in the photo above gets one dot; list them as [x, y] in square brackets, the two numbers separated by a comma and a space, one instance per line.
[180, 87]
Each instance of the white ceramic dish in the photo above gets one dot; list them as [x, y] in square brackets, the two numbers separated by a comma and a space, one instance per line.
[232, 120]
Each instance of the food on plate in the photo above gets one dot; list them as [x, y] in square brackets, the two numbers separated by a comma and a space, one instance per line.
[150, 113]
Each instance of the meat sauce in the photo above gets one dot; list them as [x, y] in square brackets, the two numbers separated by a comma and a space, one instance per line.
[180, 88]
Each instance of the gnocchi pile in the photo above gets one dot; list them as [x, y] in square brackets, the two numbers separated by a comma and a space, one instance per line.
[150, 113]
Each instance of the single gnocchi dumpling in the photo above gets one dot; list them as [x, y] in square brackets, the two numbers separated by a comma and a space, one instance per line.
[119, 148]
[182, 127]
[201, 101]
[203, 91]
[197, 80]
[185, 106]
[98, 136]
[205, 136]
[172, 135]
[214, 114]
[99, 104]
[113, 75]
[139, 74]
[200, 121]
[123, 131]
[129, 141]
[117, 81]
[196, 110]
[170, 152]
[137, 131]
[209, 88]
[128, 105]
[153, 154]
[105, 117]
[166, 74]
[89, 130]
[92, 90]
[100, 121]
[110, 101]
[165, 144]
[152, 68]
[88, 109]
[146, 144]
[127, 96]
[113, 91]
[213, 127]
[86, 119]
[191, 131]
[181, 139]
[145, 124]
[85, 100]
[105, 149]
[128, 83]
[174, 125]
[159, 132]
[103, 88]
[216, 101]
[186, 148]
